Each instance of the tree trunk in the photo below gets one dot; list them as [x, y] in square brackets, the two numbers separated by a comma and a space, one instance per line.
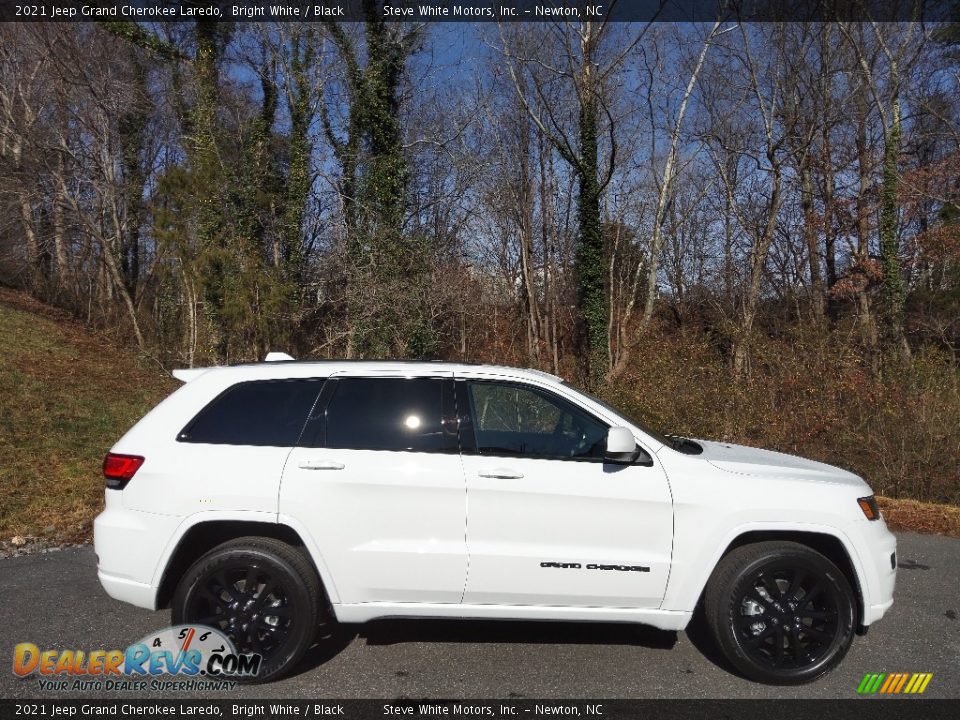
[817, 296]
[889, 240]
[525, 200]
[590, 255]
[868, 330]
[31, 244]
[61, 261]
[301, 152]
[758, 259]
[666, 184]
[829, 217]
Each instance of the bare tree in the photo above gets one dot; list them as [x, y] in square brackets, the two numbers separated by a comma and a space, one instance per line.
[562, 79]
[899, 50]
[641, 281]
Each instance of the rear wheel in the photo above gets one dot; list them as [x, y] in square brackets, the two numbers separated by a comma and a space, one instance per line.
[781, 613]
[261, 593]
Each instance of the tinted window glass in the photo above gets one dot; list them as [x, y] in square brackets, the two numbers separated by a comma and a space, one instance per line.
[513, 419]
[655, 434]
[263, 412]
[388, 414]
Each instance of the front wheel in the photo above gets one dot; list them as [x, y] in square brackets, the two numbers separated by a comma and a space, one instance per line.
[781, 613]
[261, 593]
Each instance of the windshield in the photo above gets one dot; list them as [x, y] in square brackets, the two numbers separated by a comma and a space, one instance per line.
[655, 434]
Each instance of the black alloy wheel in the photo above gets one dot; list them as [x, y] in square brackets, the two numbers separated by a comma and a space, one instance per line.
[781, 613]
[247, 603]
[261, 593]
[788, 618]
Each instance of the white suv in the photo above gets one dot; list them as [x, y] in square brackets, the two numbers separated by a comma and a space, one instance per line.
[269, 500]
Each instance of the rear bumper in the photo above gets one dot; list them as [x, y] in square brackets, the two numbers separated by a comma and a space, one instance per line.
[140, 594]
[129, 546]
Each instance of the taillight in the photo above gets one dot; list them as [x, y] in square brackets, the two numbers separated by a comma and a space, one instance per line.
[118, 469]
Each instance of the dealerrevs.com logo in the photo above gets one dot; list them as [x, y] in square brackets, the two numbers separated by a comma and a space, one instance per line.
[201, 658]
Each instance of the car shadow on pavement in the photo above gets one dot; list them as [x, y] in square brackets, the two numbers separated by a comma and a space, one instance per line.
[698, 633]
[390, 632]
[326, 648]
[396, 631]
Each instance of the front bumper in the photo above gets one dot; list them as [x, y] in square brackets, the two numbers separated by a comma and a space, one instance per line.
[878, 547]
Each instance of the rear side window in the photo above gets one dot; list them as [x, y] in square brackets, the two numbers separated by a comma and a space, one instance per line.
[391, 414]
[261, 412]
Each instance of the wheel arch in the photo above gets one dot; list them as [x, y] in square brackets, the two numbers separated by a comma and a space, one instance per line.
[205, 534]
[830, 546]
[826, 541]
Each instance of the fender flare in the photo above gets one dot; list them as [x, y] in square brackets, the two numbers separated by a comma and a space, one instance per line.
[686, 596]
[246, 516]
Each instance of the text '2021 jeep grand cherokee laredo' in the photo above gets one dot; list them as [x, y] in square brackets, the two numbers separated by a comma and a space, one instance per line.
[268, 500]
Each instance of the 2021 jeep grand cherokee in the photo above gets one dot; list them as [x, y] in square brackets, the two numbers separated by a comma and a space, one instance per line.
[271, 499]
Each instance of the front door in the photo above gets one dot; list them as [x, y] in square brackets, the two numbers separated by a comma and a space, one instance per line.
[549, 522]
[378, 482]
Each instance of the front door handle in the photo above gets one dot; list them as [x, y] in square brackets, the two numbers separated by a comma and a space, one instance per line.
[321, 465]
[501, 474]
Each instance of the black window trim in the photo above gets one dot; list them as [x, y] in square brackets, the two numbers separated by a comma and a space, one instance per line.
[318, 415]
[466, 424]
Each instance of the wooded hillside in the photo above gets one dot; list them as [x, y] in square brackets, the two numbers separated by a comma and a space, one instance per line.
[741, 231]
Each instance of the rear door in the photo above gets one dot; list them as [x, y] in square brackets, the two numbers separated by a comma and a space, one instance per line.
[549, 522]
[377, 481]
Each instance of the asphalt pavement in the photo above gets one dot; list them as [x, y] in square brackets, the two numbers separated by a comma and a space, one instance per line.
[55, 601]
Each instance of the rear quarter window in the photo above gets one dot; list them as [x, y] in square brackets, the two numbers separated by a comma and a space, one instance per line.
[260, 412]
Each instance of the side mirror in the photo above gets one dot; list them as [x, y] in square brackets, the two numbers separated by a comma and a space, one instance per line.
[622, 446]
[619, 441]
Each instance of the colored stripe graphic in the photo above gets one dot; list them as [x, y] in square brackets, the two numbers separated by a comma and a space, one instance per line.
[918, 683]
[870, 683]
[894, 683]
[903, 681]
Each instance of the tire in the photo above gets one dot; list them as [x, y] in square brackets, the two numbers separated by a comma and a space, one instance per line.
[285, 582]
[781, 613]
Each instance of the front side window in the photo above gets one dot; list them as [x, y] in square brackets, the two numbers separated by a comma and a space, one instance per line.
[389, 414]
[261, 412]
[669, 441]
[519, 420]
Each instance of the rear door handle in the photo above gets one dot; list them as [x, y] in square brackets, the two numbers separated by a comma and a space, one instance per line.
[501, 474]
[321, 465]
